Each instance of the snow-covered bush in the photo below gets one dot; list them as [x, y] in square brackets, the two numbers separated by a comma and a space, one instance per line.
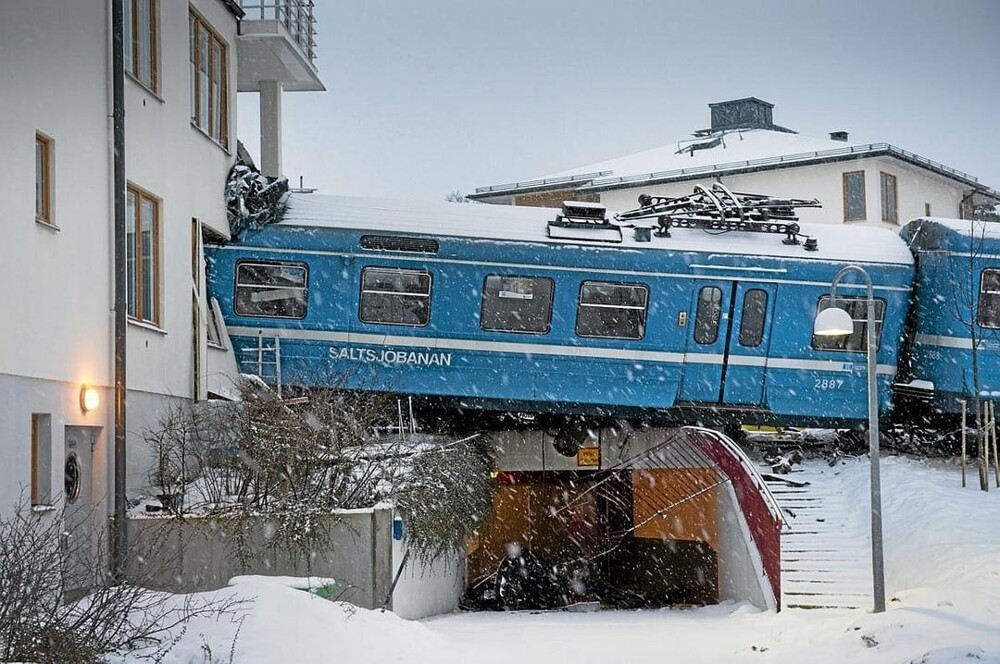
[298, 459]
[40, 569]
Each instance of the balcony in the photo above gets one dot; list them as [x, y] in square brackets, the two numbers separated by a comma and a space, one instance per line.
[277, 42]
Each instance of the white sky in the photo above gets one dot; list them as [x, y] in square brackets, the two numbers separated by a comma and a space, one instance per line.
[428, 97]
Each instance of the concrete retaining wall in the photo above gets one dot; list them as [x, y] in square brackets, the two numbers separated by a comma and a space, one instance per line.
[196, 554]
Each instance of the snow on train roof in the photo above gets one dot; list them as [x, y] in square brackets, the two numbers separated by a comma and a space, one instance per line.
[964, 227]
[530, 224]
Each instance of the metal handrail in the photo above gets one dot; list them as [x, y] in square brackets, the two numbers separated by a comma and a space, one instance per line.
[542, 182]
[296, 15]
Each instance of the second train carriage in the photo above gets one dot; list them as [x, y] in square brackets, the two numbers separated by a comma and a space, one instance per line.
[956, 297]
[496, 307]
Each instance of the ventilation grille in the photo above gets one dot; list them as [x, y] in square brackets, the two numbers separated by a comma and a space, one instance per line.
[396, 243]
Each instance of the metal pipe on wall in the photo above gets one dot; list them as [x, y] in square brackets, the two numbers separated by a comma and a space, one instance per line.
[119, 540]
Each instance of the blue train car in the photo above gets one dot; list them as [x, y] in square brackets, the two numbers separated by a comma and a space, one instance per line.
[956, 301]
[495, 307]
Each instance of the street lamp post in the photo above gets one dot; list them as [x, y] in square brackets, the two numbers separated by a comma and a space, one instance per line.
[835, 321]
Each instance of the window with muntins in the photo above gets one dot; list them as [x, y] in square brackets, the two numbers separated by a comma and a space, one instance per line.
[209, 81]
[43, 179]
[142, 253]
[612, 311]
[890, 212]
[753, 317]
[854, 196]
[708, 315]
[272, 290]
[395, 297]
[517, 304]
[141, 42]
[857, 307]
[989, 298]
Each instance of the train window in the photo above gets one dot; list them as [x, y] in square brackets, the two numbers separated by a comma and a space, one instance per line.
[517, 304]
[271, 290]
[752, 318]
[613, 311]
[858, 309]
[989, 298]
[395, 297]
[708, 315]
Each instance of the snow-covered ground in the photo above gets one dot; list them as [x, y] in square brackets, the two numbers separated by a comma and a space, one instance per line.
[942, 546]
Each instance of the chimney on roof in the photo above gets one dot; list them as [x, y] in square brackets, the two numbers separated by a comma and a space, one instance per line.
[838, 136]
[747, 113]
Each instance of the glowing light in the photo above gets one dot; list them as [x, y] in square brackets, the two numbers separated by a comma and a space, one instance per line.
[90, 398]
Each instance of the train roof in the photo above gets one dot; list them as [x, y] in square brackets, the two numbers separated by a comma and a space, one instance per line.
[530, 224]
[942, 234]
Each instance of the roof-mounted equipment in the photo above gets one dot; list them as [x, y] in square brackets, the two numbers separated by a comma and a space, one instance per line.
[584, 221]
[717, 209]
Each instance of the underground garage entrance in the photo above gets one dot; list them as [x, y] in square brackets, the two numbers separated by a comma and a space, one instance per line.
[648, 518]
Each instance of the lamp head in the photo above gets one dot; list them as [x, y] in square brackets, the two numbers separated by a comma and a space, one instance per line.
[90, 398]
[833, 322]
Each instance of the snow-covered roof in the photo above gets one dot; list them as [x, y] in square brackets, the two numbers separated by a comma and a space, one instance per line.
[736, 145]
[730, 151]
[964, 227]
[530, 224]
[943, 234]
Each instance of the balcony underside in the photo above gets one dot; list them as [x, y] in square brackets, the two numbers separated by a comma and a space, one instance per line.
[267, 52]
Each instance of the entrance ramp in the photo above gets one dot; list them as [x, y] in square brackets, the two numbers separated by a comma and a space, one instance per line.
[645, 517]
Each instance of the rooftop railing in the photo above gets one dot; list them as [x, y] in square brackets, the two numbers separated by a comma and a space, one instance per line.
[296, 15]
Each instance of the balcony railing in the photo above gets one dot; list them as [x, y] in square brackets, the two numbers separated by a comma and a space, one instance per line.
[296, 15]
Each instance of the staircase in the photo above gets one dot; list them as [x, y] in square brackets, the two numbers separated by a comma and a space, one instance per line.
[825, 560]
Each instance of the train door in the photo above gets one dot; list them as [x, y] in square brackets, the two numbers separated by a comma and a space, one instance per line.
[727, 342]
[749, 342]
[707, 335]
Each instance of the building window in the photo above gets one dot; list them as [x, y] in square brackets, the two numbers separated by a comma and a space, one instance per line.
[753, 317]
[142, 233]
[141, 42]
[272, 290]
[854, 196]
[989, 299]
[517, 304]
[43, 179]
[209, 81]
[857, 307]
[612, 311]
[708, 315]
[890, 212]
[395, 297]
[41, 459]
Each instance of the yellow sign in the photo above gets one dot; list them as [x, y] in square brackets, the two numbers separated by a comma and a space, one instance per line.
[588, 457]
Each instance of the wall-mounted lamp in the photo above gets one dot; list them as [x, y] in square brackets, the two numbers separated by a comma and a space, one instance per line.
[90, 398]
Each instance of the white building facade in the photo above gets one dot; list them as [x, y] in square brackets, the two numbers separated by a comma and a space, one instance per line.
[873, 184]
[57, 360]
